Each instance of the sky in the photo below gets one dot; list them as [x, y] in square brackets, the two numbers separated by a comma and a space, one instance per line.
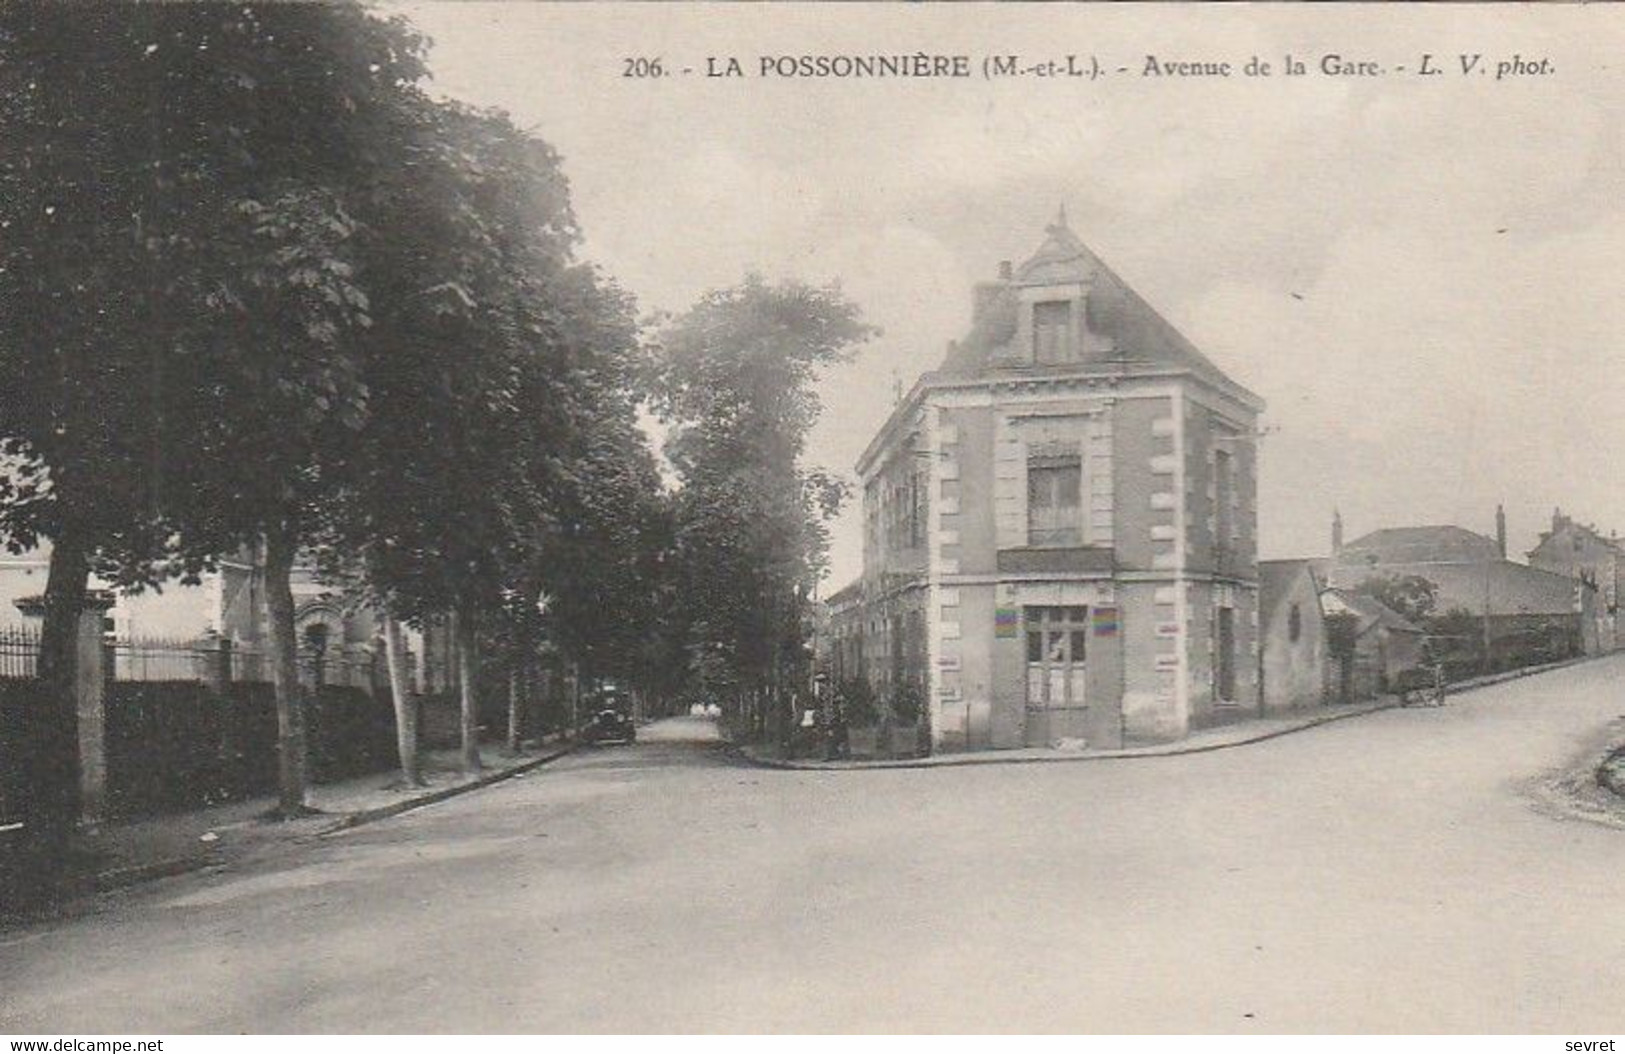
[1423, 276]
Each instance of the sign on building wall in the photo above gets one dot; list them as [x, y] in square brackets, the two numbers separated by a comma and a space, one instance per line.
[1105, 622]
[1006, 622]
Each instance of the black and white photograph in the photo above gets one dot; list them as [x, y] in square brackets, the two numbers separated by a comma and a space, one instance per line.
[715, 519]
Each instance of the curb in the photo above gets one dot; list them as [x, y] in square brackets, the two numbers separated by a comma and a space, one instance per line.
[983, 758]
[991, 758]
[1489, 680]
[1610, 772]
[136, 874]
[384, 812]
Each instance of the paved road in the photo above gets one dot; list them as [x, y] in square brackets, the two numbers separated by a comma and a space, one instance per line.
[1382, 874]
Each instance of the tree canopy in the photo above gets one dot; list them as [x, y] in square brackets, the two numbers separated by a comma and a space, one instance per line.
[258, 289]
[735, 379]
[1411, 596]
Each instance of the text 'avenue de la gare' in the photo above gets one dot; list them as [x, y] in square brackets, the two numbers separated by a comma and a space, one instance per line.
[923, 65]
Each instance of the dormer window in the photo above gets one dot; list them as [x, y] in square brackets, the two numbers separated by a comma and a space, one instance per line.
[1053, 333]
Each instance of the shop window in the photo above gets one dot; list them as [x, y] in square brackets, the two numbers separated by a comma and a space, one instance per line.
[1057, 656]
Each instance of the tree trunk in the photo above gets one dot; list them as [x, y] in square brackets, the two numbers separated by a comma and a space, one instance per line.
[463, 634]
[406, 707]
[290, 712]
[516, 710]
[54, 788]
[575, 700]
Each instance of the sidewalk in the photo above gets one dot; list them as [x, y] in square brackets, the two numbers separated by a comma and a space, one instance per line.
[1221, 737]
[1248, 730]
[123, 854]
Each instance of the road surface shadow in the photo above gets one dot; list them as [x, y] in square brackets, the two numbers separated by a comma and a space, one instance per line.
[669, 743]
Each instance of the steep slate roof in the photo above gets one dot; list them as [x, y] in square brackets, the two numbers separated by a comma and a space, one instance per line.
[1135, 337]
[1138, 335]
[1419, 545]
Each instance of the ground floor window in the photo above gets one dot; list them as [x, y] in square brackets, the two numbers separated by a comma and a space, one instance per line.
[1057, 650]
[1225, 674]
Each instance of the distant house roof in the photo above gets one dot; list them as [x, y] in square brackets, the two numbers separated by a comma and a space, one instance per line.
[1275, 580]
[1135, 333]
[1564, 524]
[1419, 545]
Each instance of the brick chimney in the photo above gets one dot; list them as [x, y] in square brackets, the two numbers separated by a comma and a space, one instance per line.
[1501, 531]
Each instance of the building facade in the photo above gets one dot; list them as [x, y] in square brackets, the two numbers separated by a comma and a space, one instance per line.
[228, 603]
[1060, 522]
[1293, 671]
[840, 642]
[1580, 551]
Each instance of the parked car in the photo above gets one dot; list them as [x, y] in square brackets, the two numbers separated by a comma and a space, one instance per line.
[610, 726]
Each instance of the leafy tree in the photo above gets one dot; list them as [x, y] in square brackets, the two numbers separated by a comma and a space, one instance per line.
[604, 567]
[1411, 596]
[735, 379]
[857, 697]
[498, 369]
[1342, 640]
[177, 226]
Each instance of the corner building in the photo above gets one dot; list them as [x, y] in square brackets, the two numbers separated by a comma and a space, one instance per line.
[1060, 523]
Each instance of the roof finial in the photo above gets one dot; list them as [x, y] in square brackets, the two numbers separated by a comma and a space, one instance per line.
[1060, 216]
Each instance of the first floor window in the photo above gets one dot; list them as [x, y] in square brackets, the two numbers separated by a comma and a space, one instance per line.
[1057, 653]
[1055, 500]
[1224, 500]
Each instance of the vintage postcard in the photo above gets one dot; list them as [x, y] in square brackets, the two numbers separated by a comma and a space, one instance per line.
[795, 518]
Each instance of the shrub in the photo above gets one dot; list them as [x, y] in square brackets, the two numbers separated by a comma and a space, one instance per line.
[906, 702]
[858, 701]
[173, 745]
